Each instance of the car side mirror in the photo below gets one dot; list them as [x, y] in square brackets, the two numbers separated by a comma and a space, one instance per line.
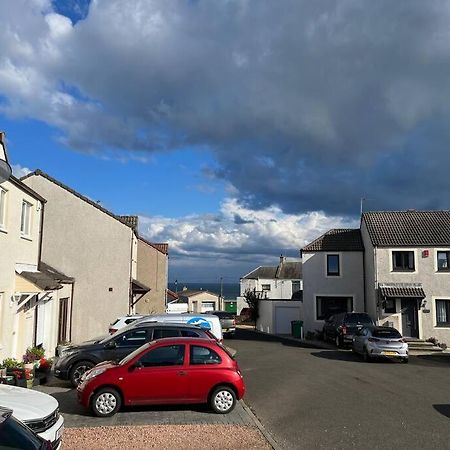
[111, 344]
[133, 367]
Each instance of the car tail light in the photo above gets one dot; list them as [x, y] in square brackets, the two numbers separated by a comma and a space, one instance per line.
[343, 329]
[372, 339]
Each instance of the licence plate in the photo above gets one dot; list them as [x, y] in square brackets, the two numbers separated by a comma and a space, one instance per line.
[59, 432]
[390, 353]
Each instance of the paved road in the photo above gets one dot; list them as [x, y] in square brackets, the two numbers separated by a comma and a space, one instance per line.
[76, 416]
[311, 399]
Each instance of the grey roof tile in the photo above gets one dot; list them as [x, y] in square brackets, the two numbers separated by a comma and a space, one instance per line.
[335, 240]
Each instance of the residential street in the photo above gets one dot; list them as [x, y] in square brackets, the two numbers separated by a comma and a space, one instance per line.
[308, 398]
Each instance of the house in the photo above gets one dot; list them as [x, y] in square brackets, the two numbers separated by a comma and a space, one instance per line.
[333, 276]
[35, 299]
[407, 265]
[282, 282]
[152, 270]
[198, 301]
[97, 248]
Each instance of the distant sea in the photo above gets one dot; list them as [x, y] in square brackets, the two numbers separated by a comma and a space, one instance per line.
[230, 290]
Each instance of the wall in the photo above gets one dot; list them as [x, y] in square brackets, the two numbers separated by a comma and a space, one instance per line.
[202, 297]
[94, 248]
[267, 321]
[152, 270]
[15, 250]
[316, 283]
[370, 267]
[279, 288]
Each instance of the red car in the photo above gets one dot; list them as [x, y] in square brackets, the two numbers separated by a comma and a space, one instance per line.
[166, 371]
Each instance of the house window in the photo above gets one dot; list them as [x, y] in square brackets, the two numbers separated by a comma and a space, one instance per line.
[389, 306]
[443, 313]
[329, 306]
[25, 220]
[265, 287]
[296, 286]
[333, 265]
[403, 261]
[443, 260]
[2, 208]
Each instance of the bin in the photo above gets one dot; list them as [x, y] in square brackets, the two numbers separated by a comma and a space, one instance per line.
[297, 328]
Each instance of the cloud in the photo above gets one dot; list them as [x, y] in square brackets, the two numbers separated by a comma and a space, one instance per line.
[19, 171]
[305, 105]
[202, 247]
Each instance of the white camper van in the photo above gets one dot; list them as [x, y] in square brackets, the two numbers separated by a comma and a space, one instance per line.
[206, 321]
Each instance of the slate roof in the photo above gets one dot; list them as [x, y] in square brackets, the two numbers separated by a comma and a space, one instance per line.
[337, 240]
[408, 228]
[262, 272]
[288, 270]
[162, 247]
[47, 278]
[131, 221]
[398, 292]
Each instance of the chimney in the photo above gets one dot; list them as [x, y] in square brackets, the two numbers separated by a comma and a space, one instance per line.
[282, 259]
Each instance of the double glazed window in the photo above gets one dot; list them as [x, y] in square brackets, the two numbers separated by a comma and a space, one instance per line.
[403, 261]
[443, 261]
[265, 287]
[25, 219]
[328, 306]
[333, 266]
[296, 286]
[389, 306]
[443, 313]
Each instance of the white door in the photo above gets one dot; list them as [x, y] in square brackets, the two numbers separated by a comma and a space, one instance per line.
[283, 317]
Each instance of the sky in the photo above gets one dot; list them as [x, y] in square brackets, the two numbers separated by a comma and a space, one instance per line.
[236, 129]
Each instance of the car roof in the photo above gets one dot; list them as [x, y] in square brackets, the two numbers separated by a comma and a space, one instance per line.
[165, 325]
[186, 340]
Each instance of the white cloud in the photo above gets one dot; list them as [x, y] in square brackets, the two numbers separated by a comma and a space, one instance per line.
[19, 171]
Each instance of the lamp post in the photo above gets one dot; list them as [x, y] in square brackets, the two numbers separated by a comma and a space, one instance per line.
[5, 168]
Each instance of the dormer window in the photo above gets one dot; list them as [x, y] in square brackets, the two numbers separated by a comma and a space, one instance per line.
[403, 261]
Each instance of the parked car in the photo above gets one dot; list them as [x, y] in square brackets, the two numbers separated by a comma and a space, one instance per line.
[341, 328]
[15, 435]
[380, 342]
[39, 411]
[123, 321]
[74, 360]
[205, 321]
[167, 371]
[227, 322]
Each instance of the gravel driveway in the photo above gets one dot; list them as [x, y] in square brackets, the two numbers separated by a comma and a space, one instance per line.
[223, 437]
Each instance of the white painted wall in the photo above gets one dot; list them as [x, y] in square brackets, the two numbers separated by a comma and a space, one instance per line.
[275, 316]
[279, 289]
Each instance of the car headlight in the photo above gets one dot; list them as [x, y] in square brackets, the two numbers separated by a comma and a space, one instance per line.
[67, 353]
[92, 373]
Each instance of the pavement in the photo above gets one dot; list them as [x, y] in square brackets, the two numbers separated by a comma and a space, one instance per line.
[314, 398]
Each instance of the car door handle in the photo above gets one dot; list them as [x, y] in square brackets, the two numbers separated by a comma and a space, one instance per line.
[182, 373]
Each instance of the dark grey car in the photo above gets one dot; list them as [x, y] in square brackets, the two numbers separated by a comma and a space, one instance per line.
[74, 360]
[341, 327]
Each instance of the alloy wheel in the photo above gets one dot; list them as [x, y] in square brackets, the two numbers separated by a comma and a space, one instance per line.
[223, 400]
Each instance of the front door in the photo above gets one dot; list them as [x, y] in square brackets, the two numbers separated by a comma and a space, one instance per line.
[410, 322]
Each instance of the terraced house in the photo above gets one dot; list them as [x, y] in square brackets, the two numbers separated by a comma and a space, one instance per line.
[396, 267]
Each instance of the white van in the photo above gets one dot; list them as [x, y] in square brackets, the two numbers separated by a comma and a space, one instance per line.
[205, 321]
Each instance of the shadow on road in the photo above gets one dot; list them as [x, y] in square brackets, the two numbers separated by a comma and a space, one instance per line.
[337, 355]
[443, 409]
[435, 357]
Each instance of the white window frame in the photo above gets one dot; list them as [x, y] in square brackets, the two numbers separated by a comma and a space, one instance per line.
[339, 254]
[401, 272]
[435, 256]
[3, 209]
[434, 312]
[352, 296]
[25, 222]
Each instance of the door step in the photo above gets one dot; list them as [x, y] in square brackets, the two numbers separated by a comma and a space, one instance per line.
[421, 345]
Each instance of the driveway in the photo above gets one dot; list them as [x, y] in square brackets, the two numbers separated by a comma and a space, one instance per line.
[310, 399]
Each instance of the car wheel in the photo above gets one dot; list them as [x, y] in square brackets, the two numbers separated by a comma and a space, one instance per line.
[366, 356]
[405, 360]
[106, 402]
[78, 370]
[223, 400]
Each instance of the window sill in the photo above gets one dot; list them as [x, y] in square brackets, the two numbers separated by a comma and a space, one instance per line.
[437, 271]
[26, 238]
[444, 326]
[403, 271]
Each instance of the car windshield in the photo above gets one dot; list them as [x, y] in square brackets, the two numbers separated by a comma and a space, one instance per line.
[128, 358]
[358, 318]
[386, 334]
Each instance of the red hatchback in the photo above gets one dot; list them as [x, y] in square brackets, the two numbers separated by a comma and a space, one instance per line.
[166, 371]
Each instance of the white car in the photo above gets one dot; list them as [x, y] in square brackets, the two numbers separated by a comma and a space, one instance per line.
[123, 321]
[37, 410]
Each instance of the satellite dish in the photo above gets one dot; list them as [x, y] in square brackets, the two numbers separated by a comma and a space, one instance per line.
[5, 168]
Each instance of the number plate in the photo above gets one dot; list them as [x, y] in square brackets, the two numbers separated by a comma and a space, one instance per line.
[390, 353]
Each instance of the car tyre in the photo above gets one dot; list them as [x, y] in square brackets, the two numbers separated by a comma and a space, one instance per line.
[366, 356]
[106, 402]
[77, 371]
[405, 360]
[223, 400]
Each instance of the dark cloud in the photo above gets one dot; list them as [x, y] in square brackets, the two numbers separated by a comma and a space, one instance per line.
[308, 105]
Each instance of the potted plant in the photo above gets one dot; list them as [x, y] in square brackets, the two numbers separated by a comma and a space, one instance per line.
[16, 370]
[31, 359]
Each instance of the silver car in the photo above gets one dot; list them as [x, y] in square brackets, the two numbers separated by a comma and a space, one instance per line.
[385, 342]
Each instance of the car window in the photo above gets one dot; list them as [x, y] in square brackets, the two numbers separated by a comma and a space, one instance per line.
[161, 333]
[134, 338]
[170, 355]
[15, 435]
[190, 333]
[203, 355]
[358, 318]
[387, 334]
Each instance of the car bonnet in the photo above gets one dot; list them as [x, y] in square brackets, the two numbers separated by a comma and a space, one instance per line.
[27, 404]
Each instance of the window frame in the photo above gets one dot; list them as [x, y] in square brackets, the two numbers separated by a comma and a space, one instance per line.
[403, 269]
[390, 310]
[447, 269]
[296, 282]
[447, 312]
[327, 268]
[25, 220]
[139, 363]
[266, 287]
[350, 298]
[3, 209]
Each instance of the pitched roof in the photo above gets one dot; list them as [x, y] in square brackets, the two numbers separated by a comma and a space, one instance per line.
[47, 278]
[288, 270]
[131, 221]
[262, 272]
[408, 228]
[401, 291]
[337, 240]
[18, 183]
[161, 247]
[191, 293]
[73, 192]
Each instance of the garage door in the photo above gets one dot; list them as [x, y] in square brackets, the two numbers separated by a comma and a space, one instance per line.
[283, 317]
